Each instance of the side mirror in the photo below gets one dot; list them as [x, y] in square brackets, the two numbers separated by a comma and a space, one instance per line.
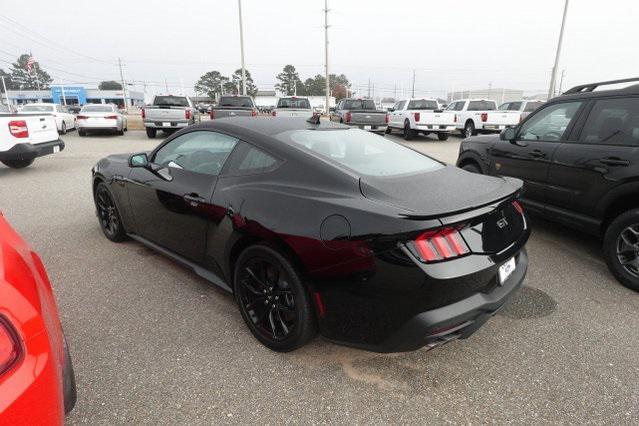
[138, 160]
[508, 134]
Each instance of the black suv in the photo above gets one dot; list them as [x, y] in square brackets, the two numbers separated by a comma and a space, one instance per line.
[578, 156]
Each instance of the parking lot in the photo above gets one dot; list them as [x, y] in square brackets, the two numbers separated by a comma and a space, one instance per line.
[154, 343]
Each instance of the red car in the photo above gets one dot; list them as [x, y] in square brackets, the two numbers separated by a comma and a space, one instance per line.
[37, 384]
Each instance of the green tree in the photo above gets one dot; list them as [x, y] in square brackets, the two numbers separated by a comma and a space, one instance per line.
[236, 79]
[210, 84]
[339, 85]
[289, 81]
[315, 86]
[24, 79]
[110, 85]
[8, 81]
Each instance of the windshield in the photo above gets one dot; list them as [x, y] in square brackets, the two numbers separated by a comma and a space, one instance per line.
[178, 101]
[236, 101]
[531, 106]
[361, 151]
[294, 103]
[97, 108]
[422, 104]
[359, 104]
[37, 108]
[482, 106]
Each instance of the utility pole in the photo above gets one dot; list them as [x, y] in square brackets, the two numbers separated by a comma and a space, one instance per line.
[328, 83]
[166, 86]
[413, 89]
[126, 107]
[553, 77]
[294, 87]
[561, 80]
[490, 89]
[369, 87]
[64, 98]
[239, 6]
[4, 86]
[395, 91]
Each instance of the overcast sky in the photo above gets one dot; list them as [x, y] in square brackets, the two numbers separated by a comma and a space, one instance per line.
[465, 44]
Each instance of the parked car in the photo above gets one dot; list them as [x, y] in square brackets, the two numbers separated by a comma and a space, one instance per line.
[168, 113]
[23, 138]
[101, 118]
[413, 116]
[475, 116]
[234, 106]
[577, 155]
[524, 107]
[293, 107]
[37, 383]
[361, 113]
[63, 119]
[311, 227]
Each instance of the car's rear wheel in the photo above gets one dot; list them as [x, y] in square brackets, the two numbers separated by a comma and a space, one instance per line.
[18, 164]
[151, 133]
[108, 214]
[63, 128]
[442, 136]
[409, 134]
[473, 168]
[621, 248]
[272, 299]
[469, 129]
[388, 130]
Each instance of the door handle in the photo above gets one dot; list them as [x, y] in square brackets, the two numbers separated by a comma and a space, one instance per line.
[614, 161]
[193, 199]
[537, 153]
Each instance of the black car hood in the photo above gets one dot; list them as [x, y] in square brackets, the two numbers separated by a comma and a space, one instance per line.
[436, 193]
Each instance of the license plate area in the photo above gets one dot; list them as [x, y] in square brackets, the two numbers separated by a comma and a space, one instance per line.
[506, 270]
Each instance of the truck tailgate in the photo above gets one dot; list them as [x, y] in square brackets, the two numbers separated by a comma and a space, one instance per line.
[368, 117]
[42, 128]
[503, 118]
[231, 112]
[437, 118]
[164, 114]
[293, 112]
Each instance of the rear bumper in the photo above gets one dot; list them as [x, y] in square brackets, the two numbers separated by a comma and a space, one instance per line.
[434, 127]
[369, 127]
[98, 125]
[27, 151]
[166, 124]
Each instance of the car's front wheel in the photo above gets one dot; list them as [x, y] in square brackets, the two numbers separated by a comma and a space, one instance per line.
[272, 299]
[621, 248]
[473, 168]
[63, 128]
[17, 164]
[151, 132]
[108, 214]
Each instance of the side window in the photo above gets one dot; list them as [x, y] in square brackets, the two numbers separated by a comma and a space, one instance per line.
[200, 152]
[460, 106]
[550, 123]
[613, 122]
[400, 105]
[248, 160]
[514, 106]
[504, 107]
[452, 106]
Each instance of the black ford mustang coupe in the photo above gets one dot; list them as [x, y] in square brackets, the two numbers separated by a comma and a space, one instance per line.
[318, 226]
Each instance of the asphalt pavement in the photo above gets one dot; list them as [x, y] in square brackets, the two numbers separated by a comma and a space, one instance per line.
[153, 343]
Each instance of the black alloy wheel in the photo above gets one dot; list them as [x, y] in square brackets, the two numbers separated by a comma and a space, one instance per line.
[621, 248]
[272, 299]
[108, 214]
[473, 168]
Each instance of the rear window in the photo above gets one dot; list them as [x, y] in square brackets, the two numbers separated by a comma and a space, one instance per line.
[422, 104]
[38, 108]
[178, 101]
[361, 151]
[294, 103]
[97, 108]
[359, 104]
[236, 101]
[482, 106]
[531, 106]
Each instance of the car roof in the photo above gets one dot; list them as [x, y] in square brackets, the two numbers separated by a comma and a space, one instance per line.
[266, 126]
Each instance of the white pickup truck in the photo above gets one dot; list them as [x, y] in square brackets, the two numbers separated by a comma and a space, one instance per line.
[23, 138]
[475, 116]
[413, 116]
[293, 107]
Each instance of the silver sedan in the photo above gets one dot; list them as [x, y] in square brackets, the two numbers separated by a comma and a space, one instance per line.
[101, 117]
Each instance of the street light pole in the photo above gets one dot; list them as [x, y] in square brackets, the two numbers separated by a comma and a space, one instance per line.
[328, 85]
[126, 107]
[239, 6]
[553, 77]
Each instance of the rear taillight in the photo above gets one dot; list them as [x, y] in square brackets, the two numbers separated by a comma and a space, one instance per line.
[212, 114]
[274, 113]
[417, 116]
[187, 114]
[484, 116]
[386, 118]
[18, 129]
[517, 205]
[111, 117]
[143, 113]
[347, 117]
[253, 113]
[10, 348]
[440, 244]
[84, 117]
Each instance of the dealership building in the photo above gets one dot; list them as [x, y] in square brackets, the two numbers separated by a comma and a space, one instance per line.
[72, 95]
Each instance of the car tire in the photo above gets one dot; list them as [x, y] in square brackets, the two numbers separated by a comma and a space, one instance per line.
[257, 294]
[82, 133]
[409, 134]
[388, 130]
[18, 164]
[63, 128]
[69, 388]
[151, 133]
[120, 132]
[108, 214]
[619, 235]
[473, 168]
[469, 129]
[442, 136]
